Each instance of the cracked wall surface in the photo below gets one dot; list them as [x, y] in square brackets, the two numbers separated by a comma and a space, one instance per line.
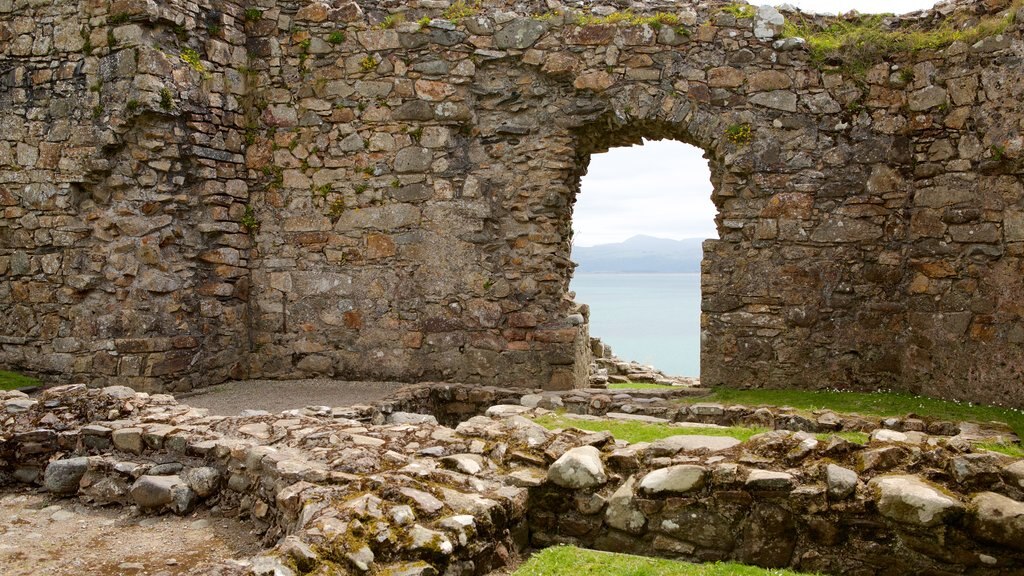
[384, 190]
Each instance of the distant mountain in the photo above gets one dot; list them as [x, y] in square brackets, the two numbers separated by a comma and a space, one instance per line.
[641, 254]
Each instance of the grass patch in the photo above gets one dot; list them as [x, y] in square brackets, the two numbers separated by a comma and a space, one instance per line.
[1014, 450]
[855, 437]
[857, 43]
[638, 386]
[881, 404]
[634, 432]
[12, 381]
[572, 561]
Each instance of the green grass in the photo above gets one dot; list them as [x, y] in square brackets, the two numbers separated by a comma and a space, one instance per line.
[881, 404]
[638, 386]
[1014, 450]
[12, 381]
[863, 41]
[855, 437]
[634, 432]
[572, 561]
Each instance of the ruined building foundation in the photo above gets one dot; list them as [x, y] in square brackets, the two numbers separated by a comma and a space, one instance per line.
[197, 191]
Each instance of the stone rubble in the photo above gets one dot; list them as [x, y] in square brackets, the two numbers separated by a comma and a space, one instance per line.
[429, 499]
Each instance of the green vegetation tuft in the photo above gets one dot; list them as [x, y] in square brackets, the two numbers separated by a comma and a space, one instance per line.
[368, 64]
[191, 57]
[854, 437]
[740, 10]
[572, 561]
[882, 404]
[628, 18]
[460, 9]
[249, 220]
[253, 14]
[738, 134]
[390, 21]
[119, 18]
[336, 37]
[634, 432]
[1014, 450]
[859, 42]
[13, 380]
[166, 99]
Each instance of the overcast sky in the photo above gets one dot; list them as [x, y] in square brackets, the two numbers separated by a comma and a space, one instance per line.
[664, 188]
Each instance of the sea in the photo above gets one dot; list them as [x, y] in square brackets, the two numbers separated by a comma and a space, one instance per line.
[651, 318]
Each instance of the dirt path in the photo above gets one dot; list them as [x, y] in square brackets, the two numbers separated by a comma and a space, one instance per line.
[45, 536]
[276, 395]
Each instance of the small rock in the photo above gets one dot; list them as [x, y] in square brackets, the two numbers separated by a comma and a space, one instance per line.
[841, 481]
[470, 464]
[158, 491]
[769, 480]
[578, 468]
[884, 435]
[300, 553]
[410, 418]
[204, 481]
[431, 540]
[362, 558]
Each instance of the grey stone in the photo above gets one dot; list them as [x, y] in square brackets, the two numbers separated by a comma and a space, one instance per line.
[163, 491]
[910, 500]
[413, 159]
[691, 443]
[63, 476]
[777, 99]
[410, 418]
[769, 480]
[621, 512]
[675, 479]
[998, 519]
[204, 481]
[578, 468]
[521, 33]
[768, 23]
[926, 98]
[842, 482]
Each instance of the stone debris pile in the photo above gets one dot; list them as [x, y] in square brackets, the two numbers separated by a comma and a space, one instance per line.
[361, 490]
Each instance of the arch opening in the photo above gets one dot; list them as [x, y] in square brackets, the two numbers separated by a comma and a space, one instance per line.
[640, 216]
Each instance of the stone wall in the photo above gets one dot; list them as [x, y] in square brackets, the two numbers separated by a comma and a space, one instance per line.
[385, 190]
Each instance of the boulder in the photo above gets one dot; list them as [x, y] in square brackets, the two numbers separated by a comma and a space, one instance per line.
[160, 491]
[998, 519]
[63, 476]
[578, 468]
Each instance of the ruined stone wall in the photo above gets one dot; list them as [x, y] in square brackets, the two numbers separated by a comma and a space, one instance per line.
[385, 190]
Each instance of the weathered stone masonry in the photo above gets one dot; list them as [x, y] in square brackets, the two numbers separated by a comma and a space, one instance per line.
[342, 189]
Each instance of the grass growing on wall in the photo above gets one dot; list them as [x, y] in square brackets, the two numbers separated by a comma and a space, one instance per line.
[13, 381]
[881, 404]
[572, 561]
[863, 41]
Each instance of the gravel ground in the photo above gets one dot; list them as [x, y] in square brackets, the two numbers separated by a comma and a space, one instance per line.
[276, 395]
[41, 535]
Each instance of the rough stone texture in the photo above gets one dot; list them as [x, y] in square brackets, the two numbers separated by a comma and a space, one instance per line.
[63, 476]
[908, 499]
[578, 468]
[318, 194]
[326, 503]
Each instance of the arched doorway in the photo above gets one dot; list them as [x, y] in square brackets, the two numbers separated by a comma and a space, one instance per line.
[639, 223]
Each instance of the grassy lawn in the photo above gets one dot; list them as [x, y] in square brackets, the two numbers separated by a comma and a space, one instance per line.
[572, 561]
[634, 432]
[1009, 449]
[869, 404]
[639, 386]
[11, 381]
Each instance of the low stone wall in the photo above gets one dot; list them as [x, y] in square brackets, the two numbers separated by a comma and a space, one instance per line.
[375, 489]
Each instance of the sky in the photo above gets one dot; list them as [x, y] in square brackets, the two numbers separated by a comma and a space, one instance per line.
[664, 188]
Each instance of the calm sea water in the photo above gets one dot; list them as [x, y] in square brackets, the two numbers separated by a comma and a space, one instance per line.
[651, 318]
